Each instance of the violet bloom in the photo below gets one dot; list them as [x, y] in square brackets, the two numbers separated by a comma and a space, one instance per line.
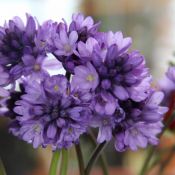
[66, 38]
[124, 75]
[132, 124]
[44, 39]
[65, 43]
[34, 66]
[167, 84]
[118, 39]
[85, 77]
[139, 135]
[4, 77]
[85, 49]
[78, 95]
[171, 73]
[56, 85]
[96, 47]
[84, 26]
[104, 103]
[124, 72]
[48, 114]
[17, 40]
[32, 132]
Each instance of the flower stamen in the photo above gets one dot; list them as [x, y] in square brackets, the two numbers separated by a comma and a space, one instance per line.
[90, 78]
[56, 88]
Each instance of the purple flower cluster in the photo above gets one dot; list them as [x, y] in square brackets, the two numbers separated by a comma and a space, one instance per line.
[21, 51]
[167, 84]
[48, 113]
[110, 87]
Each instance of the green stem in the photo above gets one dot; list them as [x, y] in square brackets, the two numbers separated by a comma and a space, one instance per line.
[64, 162]
[153, 148]
[54, 163]
[147, 160]
[2, 169]
[80, 158]
[102, 157]
[94, 157]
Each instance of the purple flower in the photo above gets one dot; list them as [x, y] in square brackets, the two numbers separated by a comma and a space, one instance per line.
[105, 128]
[44, 39]
[152, 111]
[167, 84]
[81, 21]
[4, 77]
[85, 50]
[139, 135]
[16, 41]
[85, 77]
[132, 124]
[105, 104]
[56, 85]
[171, 73]
[65, 44]
[62, 40]
[109, 89]
[79, 96]
[34, 66]
[84, 26]
[3, 93]
[126, 72]
[31, 131]
[117, 39]
[47, 114]
[124, 75]
[141, 91]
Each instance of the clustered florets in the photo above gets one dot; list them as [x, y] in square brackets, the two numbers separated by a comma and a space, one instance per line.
[106, 86]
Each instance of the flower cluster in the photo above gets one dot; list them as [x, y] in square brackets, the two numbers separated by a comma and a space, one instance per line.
[109, 88]
[21, 51]
[167, 85]
[48, 113]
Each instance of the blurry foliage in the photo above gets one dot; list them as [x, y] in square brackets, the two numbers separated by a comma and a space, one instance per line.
[18, 157]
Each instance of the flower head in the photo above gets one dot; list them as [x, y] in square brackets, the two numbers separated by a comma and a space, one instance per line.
[65, 44]
[44, 39]
[84, 26]
[132, 124]
[16, 41]
[85, 77]
[64, 39]
[110, 86]
[47, 114]
[124, 75]
[167, 85]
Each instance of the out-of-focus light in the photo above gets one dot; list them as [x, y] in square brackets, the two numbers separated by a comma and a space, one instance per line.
[42, 9]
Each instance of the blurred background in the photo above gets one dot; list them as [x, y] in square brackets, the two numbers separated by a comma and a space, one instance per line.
[150, 23]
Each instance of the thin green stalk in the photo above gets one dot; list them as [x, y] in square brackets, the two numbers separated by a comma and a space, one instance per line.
[153, 148]
[80, 158]
[102, 157]
[94, 157]
[147, 160]
[2, 169]
[104, 164]
[54, 163]
[64, 162]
